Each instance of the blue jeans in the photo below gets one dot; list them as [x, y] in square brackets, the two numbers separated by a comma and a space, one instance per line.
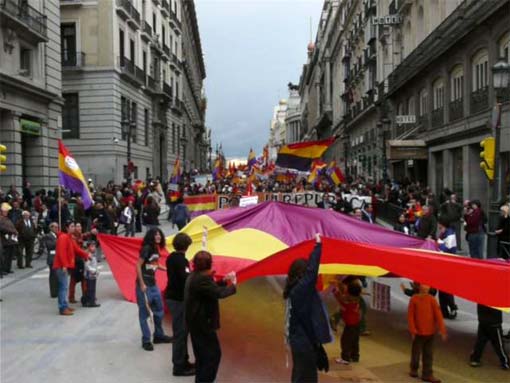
[475, 242]
[63, 284]
[156, 305]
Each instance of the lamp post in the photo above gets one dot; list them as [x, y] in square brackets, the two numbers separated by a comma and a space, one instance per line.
[501, 83]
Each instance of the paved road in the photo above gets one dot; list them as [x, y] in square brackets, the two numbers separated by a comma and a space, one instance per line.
[103, 345]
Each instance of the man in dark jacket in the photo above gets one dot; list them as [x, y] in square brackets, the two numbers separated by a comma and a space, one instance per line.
[489, 329]
[49, 244]
[202, 313]
[451, 210]
[177, 268]
[427, 225]
[27, 234]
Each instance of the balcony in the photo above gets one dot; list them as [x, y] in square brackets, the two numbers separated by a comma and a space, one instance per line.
[165, 8]
[141, 76]
[168, 90]
[479, 100]
[370, 55]
[151, 84]
[437, 118]
[130, 72]
[456, 110]
[72, 59]
[174, 22]
[423, 121]
[156, 45]
[127, 11]
[177, 106]
[71, 3]
[175, 62]
[31, 22]
[146, 32]
[167, 53]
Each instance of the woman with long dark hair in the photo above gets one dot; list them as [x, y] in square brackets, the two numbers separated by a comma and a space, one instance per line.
[148, 296]
[306, 324]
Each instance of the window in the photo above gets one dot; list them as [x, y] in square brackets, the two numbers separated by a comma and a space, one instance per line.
[68, 44]
[124, 114]
[504, 46]
[163, 34]
[438, 92]
[70, 116]
[174, 139]
[132, 53]
[144, 54]
[25, 62]
[457, 83]
[424, 97]
[480, 68]
[134, 121]
[411, 106]
[153, 22]
[146, 126]
[121, 46]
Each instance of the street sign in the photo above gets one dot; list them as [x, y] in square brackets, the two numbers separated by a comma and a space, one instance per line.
[406, 150]
[409, 119]
[387, 20]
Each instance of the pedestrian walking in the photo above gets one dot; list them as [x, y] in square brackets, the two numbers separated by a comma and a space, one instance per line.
[127, 218]
[503, 232]
[424, 318]
[202, 313]
[306, 324]
[26, 236]
[150, 214]
[489, 329]
[66, 251]
[177, 268]
[148, 296]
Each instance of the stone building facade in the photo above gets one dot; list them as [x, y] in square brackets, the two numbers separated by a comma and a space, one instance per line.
[30, 91]
[383, 74]
[124, 70]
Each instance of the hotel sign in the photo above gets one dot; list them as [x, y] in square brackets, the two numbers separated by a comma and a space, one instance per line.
[387, 20]
[410, 119]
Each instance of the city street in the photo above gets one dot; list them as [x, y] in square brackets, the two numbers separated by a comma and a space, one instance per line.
[98, 345]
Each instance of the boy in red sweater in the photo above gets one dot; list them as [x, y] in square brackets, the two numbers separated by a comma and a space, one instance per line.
[351, 315]
[424, 319]
[66, 251]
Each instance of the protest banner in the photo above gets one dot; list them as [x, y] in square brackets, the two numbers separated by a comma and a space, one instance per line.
[381, 297]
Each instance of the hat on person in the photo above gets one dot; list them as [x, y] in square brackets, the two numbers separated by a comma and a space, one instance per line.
[153, 257]
[5, 207]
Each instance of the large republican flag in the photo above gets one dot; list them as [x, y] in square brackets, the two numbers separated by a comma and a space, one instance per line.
[70, 175]
[300, 156]
[265, 239]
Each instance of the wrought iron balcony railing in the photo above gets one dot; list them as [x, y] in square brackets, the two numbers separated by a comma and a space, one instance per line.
[72, 58]
[25, 15]
[437, 117]
[456, 109]
[479, 100]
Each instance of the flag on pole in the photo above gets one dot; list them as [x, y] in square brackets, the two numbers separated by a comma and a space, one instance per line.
[217, 171]
[265, 156]
[176, 172]
[317, 167]
[335, 174]
[70, 175]
[252, 159]
[300, 156]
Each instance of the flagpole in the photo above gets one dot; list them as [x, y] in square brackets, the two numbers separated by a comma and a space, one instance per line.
[59, 207]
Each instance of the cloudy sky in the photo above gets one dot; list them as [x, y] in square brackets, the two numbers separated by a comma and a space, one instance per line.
[252, 49]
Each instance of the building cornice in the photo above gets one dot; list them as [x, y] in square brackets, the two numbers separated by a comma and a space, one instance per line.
[29, 88]
[190, 8]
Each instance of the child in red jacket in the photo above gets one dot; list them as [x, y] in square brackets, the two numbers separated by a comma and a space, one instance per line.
[351, 315]
[424, 320]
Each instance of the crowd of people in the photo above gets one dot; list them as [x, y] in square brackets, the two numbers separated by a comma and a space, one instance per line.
[57, 224]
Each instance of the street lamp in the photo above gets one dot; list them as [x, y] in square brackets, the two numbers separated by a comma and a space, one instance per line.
[501, 83]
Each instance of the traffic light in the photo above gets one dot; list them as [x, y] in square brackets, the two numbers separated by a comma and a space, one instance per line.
[488, 157]
[3, 158]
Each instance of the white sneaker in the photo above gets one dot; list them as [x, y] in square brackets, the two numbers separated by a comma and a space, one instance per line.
[341, 361]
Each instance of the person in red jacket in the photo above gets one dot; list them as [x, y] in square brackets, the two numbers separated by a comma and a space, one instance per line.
[424, 319]
[66, 251]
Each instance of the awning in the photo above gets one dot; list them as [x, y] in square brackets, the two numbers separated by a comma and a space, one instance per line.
[30, 127]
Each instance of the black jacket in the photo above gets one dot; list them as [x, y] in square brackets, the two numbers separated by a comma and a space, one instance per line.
[307, 315]
[177, 270]
[201, 307]
[489, 316]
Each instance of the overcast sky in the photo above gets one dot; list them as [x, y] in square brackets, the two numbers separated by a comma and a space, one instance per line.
[252, 49]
